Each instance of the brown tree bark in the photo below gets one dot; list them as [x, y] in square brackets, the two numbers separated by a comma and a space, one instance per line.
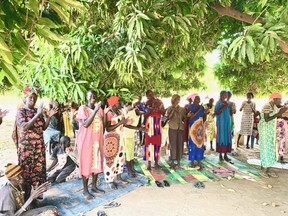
[231, 12]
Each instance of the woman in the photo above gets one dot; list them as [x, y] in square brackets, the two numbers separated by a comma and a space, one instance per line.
[210, 123]
[31, 147]
[196, 120]
[113, 142]
[232, 107]
[90, 143]
[247, 120]
[153, 129]
[267, 134]
[176, 116]
[223, 114]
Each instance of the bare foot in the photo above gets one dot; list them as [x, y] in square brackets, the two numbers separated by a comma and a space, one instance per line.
[113, 186]
[121, 180]
[97, 190]
[88, 196]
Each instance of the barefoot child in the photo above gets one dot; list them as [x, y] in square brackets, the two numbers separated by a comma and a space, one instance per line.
[63, 165]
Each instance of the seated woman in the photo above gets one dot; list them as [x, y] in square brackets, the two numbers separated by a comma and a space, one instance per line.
[52, 134]
[13, 200]
[64, 164]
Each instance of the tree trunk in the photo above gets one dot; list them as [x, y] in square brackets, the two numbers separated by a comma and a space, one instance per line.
[231, 12]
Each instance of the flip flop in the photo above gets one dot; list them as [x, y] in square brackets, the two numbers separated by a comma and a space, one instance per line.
[159, 184]
[112, 205]
[166, 183]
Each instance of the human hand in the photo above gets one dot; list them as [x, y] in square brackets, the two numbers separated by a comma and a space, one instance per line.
[51, 112]
[106, 109]
[281, 111]
[97, 106]
[37, 191]
[3, 113]
[40, 108]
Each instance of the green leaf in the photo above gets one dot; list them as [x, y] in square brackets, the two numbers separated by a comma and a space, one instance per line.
[3, 45]
[250, 53]
[7, 57]
[33, 4]
[250, 40]
[11, 74]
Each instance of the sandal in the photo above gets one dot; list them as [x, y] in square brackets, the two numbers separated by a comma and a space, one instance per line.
[159, 184]
[112, 205]
[166, 183]
[263, 174]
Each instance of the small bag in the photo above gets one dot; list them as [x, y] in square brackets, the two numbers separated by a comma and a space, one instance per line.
[164, 120]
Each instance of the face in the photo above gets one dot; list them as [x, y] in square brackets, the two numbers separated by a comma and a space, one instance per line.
[277, 101]
[197, 100]
[18, 180]
[223, 96]
[91, 97]
[30, 100]
[249, 97]
[211, 101]
[67, 144]
[149, 96]
[228, 96]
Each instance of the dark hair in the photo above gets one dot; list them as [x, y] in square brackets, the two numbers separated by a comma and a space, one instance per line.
[92, 92]
[64, 139]
[250, 93]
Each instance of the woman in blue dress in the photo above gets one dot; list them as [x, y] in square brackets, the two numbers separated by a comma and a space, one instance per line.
[223, 114]
[196, 118]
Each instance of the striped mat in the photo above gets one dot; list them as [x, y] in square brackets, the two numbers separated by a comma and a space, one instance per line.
[213, 170]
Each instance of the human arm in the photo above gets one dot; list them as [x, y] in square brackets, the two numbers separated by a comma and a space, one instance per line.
[35, 193]
[219, 108]
[87, 122]
[268, 118]
[54, 163]
[49, 114]
[2, 115]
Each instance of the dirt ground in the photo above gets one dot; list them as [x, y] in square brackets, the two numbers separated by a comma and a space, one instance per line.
[267, 197]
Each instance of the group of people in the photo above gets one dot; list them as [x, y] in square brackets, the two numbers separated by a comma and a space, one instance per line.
[105, 139]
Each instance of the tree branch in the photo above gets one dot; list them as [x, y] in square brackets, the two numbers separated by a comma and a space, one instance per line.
[231, 12]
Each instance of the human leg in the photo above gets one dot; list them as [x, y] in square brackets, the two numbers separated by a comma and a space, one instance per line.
[86, 193]
[247, 143]
[65, 172]
[94, 184]
[252, 141]
[211, 145]
[238, 139]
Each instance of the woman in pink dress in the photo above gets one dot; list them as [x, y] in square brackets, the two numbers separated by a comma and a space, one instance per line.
[90, 143]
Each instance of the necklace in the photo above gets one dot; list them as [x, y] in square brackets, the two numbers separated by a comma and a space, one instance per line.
[19, 196]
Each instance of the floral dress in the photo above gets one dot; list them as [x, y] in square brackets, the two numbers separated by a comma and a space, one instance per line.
[31, 147]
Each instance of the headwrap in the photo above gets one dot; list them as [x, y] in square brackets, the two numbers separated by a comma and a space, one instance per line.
[12, 170]
[28, 90]
[274, 96]
[229, 93]
[113, 100]
[192, 96]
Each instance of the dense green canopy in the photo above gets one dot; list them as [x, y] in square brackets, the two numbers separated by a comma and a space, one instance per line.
[127, 46]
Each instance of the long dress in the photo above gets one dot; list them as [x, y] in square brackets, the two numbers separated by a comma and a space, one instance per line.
[196, 134]
[113, 149]
[31, 147]
[153, 132]
[223, 126]
[210, 124]
[90, 142]
[282, 131]
[247, 118]
[267, 136]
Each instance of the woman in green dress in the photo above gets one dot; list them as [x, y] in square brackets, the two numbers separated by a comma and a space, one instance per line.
[267, 134]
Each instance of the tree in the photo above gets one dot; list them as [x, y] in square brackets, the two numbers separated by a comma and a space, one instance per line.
[134, 45]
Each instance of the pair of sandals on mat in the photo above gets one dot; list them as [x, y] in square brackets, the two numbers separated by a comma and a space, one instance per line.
[199, 185]
[159, 184]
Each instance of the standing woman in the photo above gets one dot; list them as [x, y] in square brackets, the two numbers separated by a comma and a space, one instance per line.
[176, 116]
[30, 125]
[267, 134]
[196, 120]
[223, 125]
[114, 143]
[210, 123]
[247, 120]
[153, 128]
[90, 143]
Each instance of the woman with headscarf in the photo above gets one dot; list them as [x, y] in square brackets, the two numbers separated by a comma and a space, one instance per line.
[30, 125]
[153, 129]
[113, 142]
[90, 143]
[267, 134]
[223, 114]
[249, 108]
[176, 116]
[196, 118]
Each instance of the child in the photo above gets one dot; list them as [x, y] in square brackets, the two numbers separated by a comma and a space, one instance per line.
[255, 133]
[63, 164]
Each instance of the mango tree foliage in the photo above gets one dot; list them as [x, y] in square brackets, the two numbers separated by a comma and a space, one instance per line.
[21, 21]
[128, 46]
